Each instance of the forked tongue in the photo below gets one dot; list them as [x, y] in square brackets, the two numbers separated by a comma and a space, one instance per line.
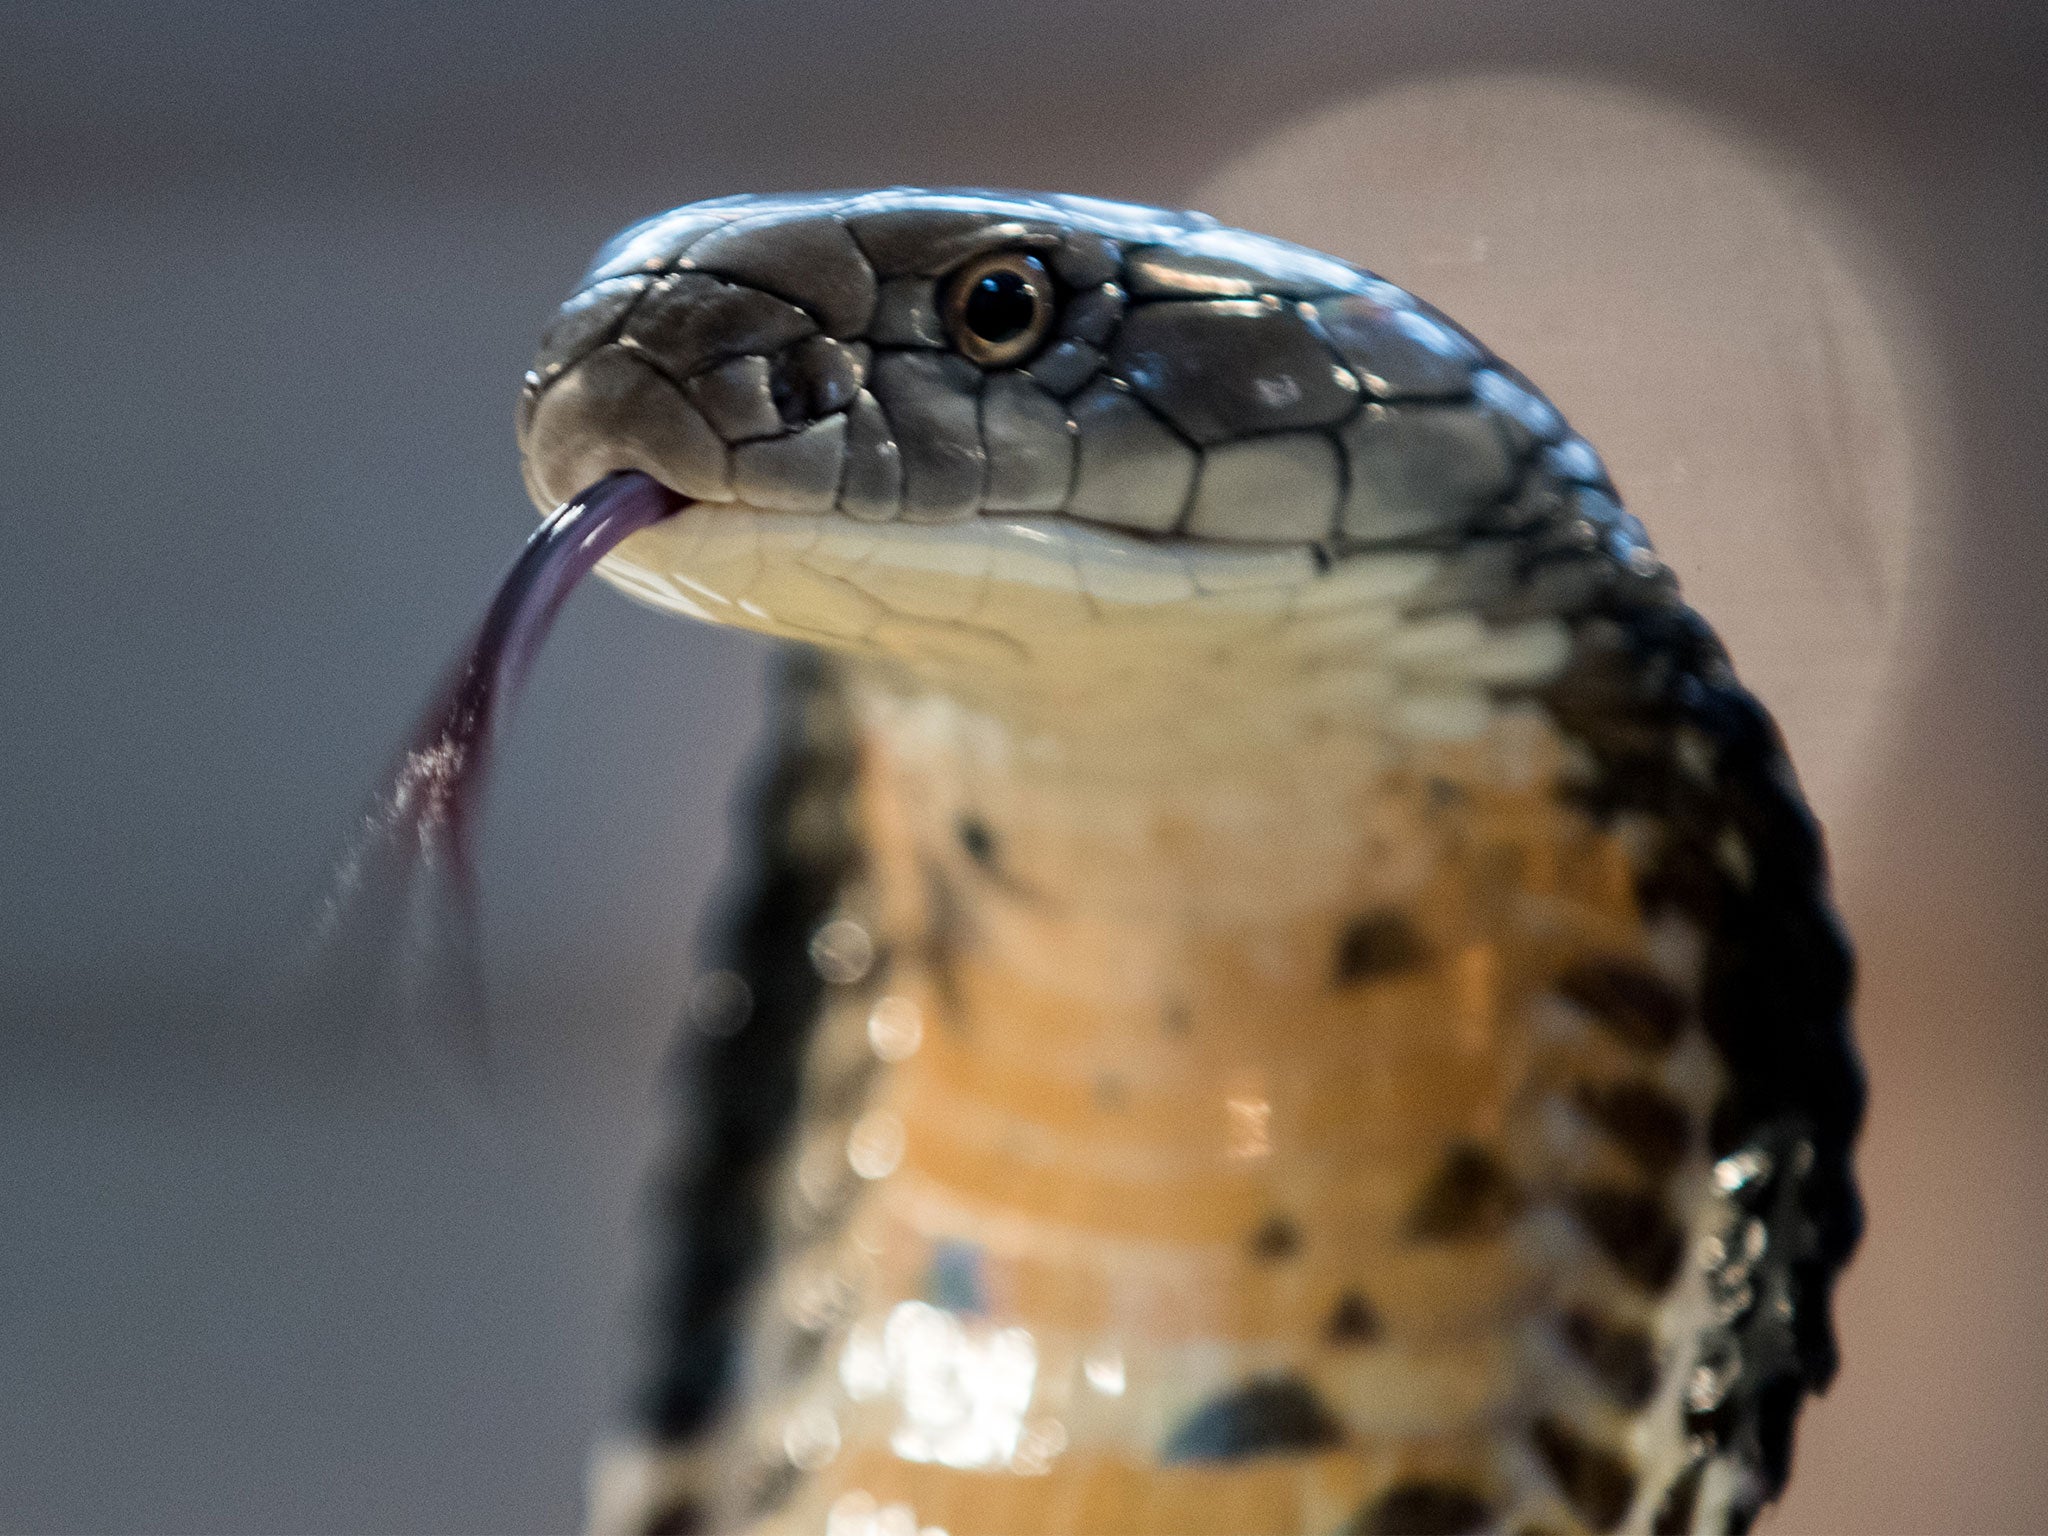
[401, 912]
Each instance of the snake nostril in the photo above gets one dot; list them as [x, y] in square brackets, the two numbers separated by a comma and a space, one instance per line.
[820, 376]
[791, 402]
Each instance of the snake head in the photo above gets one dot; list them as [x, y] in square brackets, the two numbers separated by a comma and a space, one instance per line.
[937, 356]
[961, 392]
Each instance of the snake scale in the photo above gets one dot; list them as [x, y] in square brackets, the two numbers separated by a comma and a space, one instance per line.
[1280, 982]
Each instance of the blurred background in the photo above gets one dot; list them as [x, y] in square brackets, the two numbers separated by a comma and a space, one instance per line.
[268, 277]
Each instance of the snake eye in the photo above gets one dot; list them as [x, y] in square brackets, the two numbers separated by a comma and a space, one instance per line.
[999, 308]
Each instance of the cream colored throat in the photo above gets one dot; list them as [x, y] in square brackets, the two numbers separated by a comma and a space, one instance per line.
[1072, 634]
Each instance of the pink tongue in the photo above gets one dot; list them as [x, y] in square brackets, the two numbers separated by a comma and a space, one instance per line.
[405, 890]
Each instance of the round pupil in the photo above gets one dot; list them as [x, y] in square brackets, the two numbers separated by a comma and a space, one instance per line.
[999, 306]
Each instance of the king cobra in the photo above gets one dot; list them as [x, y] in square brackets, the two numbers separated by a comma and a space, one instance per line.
[1280, 983]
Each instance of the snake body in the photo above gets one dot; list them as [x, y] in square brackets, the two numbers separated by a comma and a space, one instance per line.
[1281, 983]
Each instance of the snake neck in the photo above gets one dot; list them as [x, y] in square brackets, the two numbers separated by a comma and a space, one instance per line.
[1210, 1145]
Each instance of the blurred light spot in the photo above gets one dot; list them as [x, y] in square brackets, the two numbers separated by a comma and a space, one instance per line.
[1740, 1169]
[811, 1437]
[818, 1295]
[819, 1173]
[1104, 1369]
[895, 1028]
[875, 1145]
[962, 1391]
[720, 1003]
[857, 1514]
[863, 1364]
[1041, 1442]
[851, 1514]
[842, 951]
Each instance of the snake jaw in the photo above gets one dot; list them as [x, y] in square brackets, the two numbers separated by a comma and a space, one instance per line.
[1143, 656]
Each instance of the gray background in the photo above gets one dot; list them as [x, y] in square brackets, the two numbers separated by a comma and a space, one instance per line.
[267, 279]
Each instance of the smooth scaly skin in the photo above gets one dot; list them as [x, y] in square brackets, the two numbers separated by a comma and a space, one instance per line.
[1264, 639]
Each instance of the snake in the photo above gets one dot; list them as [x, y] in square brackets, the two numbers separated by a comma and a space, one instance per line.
[1276, 980]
